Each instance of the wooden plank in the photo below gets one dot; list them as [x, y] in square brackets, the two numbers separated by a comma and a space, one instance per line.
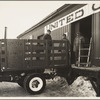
[58, 54]
[58, 41]
[15, 53]
[27, 52]
[35, 47]
[3, 55]
[47, 55]
[38, 55]
[40, 63]
[59, 62]
[59, 48]
[38, 41]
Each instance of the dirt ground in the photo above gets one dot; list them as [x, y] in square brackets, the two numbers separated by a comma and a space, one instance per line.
[54, 88]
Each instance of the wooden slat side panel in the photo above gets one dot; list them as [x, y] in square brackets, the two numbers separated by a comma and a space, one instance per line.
[27, 54]
[35, 54]
[59, 62]
[3, 55]
[15, 54]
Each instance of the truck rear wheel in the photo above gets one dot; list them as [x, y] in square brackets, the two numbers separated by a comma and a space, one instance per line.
[34, 83]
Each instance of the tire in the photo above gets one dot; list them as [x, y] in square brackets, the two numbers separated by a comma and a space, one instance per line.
[34, 83]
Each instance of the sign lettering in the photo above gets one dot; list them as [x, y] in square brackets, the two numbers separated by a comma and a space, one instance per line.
[79, 13]
[74, 16]
[69, 18]
[95, 8]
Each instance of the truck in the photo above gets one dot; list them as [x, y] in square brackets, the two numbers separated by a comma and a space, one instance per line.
[29, 62]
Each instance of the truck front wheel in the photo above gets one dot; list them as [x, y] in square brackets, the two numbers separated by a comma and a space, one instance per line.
[34, 83]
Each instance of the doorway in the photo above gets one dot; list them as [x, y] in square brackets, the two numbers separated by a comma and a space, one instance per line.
[84, 26]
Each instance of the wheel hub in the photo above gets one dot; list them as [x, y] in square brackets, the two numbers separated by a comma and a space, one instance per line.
[35, 84]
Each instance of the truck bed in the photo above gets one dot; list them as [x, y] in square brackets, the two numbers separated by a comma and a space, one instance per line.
[29, 54]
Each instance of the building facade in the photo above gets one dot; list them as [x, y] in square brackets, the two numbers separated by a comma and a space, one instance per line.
[70, 19]
[39, 28]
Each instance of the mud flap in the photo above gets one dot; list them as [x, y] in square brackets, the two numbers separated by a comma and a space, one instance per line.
[71, 76]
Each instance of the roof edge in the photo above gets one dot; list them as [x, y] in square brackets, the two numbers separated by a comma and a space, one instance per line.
[54, 13]
[51, 15]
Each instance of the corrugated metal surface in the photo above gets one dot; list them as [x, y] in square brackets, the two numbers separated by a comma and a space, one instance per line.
[57, 34]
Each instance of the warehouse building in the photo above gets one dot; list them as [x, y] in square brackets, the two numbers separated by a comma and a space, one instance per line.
[38, 30]
[70, 19]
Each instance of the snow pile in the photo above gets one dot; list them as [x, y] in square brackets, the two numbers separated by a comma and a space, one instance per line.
[83, 86]
[79, 88]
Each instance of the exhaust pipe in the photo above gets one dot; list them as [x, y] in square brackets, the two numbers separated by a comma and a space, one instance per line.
[5, 35]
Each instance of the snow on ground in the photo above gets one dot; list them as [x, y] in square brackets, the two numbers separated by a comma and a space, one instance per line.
[54, 88]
